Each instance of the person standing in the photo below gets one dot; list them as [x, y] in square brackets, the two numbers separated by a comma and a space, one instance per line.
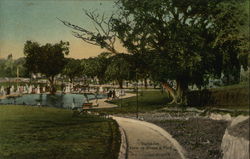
[109, 94]
[73, 103]
[114, 94]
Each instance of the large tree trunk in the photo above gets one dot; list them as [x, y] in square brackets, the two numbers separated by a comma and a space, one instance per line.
[120, 82]
[145, 83]
[52, 86]
[71, 79]
[172, 93]
[179, 93]
[182, 87]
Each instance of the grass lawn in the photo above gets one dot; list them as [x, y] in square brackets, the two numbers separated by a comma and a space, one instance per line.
[41, 132]
[147, 101]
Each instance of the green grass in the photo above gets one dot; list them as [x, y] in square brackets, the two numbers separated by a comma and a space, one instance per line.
[39, 132]
[147, 101]
[155, 100]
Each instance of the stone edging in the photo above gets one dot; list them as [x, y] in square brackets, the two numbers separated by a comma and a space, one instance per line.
[123, 154]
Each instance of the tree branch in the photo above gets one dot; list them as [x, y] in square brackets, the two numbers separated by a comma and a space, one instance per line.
[103, 37]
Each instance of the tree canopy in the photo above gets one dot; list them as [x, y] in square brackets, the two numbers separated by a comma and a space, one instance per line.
[10, 67]
[189, 40]
[48, 59]
[73, 68]
[96, 66]
[183, 41]
[120, 68]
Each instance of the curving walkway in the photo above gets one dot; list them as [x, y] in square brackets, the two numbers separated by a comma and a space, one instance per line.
[147, 141]
[103, 104]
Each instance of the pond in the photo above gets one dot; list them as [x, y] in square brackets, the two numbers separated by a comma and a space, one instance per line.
[57, 100]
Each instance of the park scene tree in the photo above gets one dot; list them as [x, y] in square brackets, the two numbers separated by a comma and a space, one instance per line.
[120, 69]
[46, 59]
[190, 36]
[13, 67]
[73, 69]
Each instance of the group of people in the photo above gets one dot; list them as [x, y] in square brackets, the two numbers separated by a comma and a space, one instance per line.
[111, 94]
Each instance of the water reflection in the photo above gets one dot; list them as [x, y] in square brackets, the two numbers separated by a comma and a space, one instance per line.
[58, 100]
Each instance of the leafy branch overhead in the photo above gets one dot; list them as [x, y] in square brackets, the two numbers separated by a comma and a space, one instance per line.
[198, 38]
[103, 35]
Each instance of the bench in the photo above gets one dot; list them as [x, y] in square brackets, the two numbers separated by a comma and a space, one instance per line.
[89, 105]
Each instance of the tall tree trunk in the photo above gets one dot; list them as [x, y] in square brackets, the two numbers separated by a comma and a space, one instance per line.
[182, 87]
[71, 79]
[120, 82]
[171, 91]
[52, 86]
[145, 83]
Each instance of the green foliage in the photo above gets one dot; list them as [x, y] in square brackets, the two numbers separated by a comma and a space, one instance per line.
[13, 68]
[167, 31]
[232, 38]
[73, 68]
[107, 67]
[120, 68]
[190, 40]
[23, 72]
[46, 59]
[96, 66]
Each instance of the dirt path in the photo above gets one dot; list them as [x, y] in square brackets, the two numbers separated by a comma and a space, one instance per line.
[148, 141]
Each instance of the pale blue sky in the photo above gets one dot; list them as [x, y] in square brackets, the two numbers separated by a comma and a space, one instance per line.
[22, 20]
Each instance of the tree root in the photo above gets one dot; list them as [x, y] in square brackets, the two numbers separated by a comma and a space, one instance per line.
[175, 101]
[172, 102]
